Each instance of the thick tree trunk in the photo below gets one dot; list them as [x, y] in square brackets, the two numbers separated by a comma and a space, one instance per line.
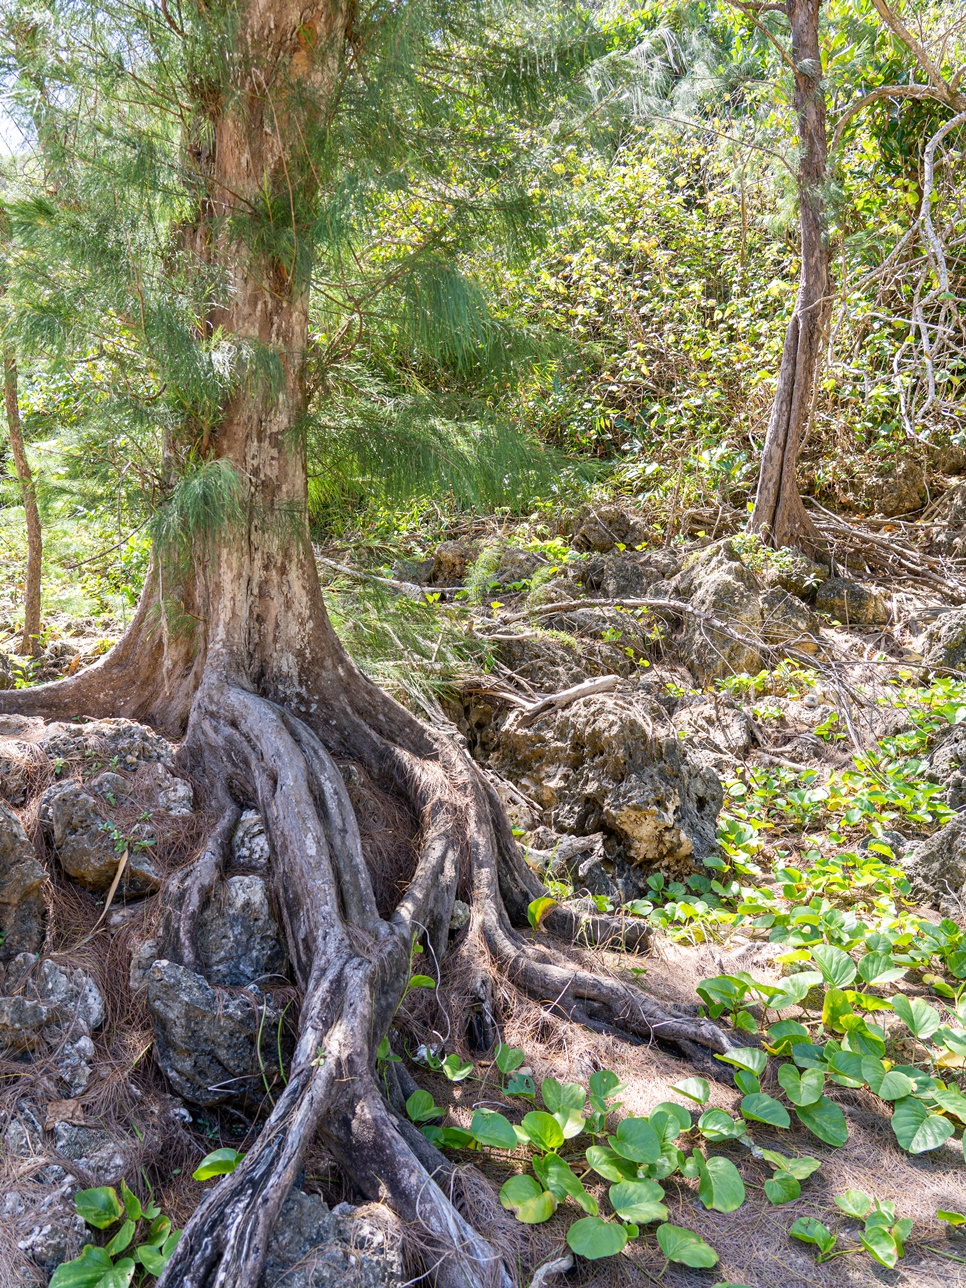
[779, 514]
[271, 702]
[35, 543]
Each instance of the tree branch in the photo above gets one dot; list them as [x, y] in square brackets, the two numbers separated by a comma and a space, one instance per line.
[886, 91]
[749, 10]
[895, 24]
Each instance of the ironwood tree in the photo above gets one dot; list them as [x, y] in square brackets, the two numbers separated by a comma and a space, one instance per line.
[205, 198]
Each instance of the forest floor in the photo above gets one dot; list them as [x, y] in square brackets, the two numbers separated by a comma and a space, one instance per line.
[767, 766]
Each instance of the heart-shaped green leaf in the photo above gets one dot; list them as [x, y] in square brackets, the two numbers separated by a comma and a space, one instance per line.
[809, 1230]
[801, 1088]
[854, 1203]
[751, 1058]
[716, 1124]
[782, 1188]
[694, 1088]
[685, 1247]
[543, 1129]
[561, 1095]
[837, 967]
[99, 1207]
[594, 1238]
[916, 1129]
[611, 1166]
[801, 1167]
[493, 1130]
[878, 968]
[880, 1245]
[560, 1180]
[948, 1099]
[530, 1203]
[637, 1140]
[760, 1108]
[85, 1271]
[538, 909]
[222, 1161]
[638, 1201]
[824, 1120]
[921, 1019]
[420, 1106]
[721, 1186]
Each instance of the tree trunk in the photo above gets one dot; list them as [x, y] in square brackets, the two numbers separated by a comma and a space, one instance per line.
[35, 545]
[779, 515]
[243, 655]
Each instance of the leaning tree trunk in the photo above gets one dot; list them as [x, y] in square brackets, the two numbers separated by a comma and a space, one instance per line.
[35, 542]
[269, 704]
[779, 514]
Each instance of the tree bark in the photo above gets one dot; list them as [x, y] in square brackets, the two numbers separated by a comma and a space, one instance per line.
[238, 654]
[35, 543]
[779, 515]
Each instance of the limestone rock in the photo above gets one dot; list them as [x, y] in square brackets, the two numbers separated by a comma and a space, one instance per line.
[22, 880]
[87, 846]
[601, 765]
[517, 565]
[450, 562]
[237, 936]
[47, 1229]
[936, 868]
[312, 1246]
[786, 620]
[949, 538]
[206, 1039]
[944, 644]
[794, 571]
[46, 1004]
[897, 489]
[249, 845]
[719, 584]
[14, 762]
[106, 744]
[605, 527]
[851, 603]
[625, 575]
[415, 572]
[98, 1152]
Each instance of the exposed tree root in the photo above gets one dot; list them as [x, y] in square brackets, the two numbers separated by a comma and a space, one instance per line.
[352, 964]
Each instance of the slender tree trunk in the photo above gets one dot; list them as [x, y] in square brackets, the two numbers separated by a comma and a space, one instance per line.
[779, 514]
[35, 546]
[272, 704]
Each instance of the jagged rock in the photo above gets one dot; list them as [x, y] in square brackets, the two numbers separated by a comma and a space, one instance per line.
[42, 999]
[47, 1229]
[450, 562]
[949, 536]
[14, 773]
[944, 644]
[786, 620]
[249, 845]
[794, 571]
[22, 881]
[314, 1247]
[719, 724]
[205, 1039]
[851, 603]
[605, 527]
[516, 565]
[899, 489]
[6, 672]
[601, 765]
[936, 868]
[98, 1152]
[415, 572]
[718, 583]
[88, 847]
[620, 575]
[460, 915]
[106, 744]
[237, 936]
[163, 791]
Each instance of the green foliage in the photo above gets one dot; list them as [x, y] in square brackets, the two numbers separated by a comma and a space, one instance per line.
[143, 1230]
[220, 1162]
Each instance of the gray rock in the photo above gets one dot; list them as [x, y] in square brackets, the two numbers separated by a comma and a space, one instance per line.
[899, 488]
[944, 644]
[249, 845]
[106, 744]
[450, 562]
[22, 880]
[162, 790]
[786, 620]
[601, 765]
[605, 527]
[517, 565]
[45, 1003]
[794, 571]
[14, 761]
[314, 1247]
[206, 1040]
[623, 575]
[851, 603]
[48, 1230]
[6, 672]
[719, 584]
[936, 868]
[93, 1149]
[88, 846]
[949, 537]
[415, 572]
[237, 936]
